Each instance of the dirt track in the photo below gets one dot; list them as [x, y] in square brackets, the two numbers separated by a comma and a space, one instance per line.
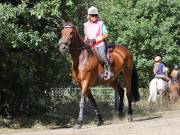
[160, 123]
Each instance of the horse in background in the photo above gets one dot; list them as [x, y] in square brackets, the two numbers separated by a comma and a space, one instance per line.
[175, 84]
[174, 90]
[157, 90]
[86, 69]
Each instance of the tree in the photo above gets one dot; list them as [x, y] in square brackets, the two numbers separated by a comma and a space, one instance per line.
[146, 27]
[30, 64]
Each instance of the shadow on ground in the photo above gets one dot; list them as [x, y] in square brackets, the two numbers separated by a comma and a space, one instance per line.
[64, 115]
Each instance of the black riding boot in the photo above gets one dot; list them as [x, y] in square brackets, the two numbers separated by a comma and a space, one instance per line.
[107, 71]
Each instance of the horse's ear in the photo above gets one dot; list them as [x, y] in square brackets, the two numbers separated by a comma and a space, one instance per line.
[76, 28]
[66, 23]
[63, 22]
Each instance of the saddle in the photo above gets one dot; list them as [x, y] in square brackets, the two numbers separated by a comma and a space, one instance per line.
[163, 78]
[175, 81]
[109, 49]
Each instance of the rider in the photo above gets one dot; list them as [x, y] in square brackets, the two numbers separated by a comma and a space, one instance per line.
[160, 70]
[96, 32]
[175, 74]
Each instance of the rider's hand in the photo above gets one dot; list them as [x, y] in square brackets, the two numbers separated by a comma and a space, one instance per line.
[99, 39]
[92, 41]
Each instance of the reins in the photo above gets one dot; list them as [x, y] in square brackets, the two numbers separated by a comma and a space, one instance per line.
[79, 48]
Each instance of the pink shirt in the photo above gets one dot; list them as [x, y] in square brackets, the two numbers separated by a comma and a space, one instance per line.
[93, 30]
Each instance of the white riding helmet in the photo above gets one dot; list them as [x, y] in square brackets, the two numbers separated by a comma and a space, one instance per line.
[93, 11]
[157, 58]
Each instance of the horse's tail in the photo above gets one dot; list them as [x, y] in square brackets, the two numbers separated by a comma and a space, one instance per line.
[134, 85]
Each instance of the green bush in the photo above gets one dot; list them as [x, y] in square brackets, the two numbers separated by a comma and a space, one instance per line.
[30, 64]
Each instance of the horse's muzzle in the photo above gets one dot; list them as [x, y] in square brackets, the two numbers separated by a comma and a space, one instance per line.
[63, 49]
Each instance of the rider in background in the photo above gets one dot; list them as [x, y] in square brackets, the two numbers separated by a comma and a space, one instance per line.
[160, 70]
[175, 74]
[96, 33]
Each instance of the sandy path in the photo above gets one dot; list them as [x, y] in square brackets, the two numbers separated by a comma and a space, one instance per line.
[161, 123]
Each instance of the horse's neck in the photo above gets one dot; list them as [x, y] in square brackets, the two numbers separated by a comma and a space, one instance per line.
[83, 59]
[79, 54]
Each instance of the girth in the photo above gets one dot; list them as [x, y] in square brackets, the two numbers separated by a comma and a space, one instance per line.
[175, 81]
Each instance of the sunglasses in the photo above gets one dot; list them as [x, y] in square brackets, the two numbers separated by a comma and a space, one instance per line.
[93, 15]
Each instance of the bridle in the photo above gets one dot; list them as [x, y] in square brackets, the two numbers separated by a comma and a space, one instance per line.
[67, 43]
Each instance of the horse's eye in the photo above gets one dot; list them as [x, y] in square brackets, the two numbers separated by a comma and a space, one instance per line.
[71, 33]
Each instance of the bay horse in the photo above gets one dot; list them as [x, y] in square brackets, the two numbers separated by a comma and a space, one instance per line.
[86, 69]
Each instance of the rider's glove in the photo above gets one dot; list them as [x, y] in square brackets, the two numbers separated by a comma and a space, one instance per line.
[92, 41]
[99, 39]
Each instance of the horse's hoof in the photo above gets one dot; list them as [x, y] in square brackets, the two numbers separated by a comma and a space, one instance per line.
[130, 119]
[99, 123]
[121, 114]
[78, 126]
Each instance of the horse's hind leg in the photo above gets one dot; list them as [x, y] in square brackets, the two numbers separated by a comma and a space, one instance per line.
[127, 77]
[99, 120]
[115, 85]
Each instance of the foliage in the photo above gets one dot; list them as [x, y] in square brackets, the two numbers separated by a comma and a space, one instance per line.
[147, 28]
[31, 66]
[30, 62]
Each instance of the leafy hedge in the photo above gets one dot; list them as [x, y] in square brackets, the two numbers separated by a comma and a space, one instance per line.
[30, 64]
[147, 27]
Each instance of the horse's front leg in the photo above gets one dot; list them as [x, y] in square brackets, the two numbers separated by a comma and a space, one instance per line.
[99, 120]
[81, 112]
[84, 85]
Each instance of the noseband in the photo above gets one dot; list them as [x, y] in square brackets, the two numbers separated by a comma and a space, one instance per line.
[64, 42]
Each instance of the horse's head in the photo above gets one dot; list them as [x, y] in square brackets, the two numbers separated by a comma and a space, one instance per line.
[68, 35]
